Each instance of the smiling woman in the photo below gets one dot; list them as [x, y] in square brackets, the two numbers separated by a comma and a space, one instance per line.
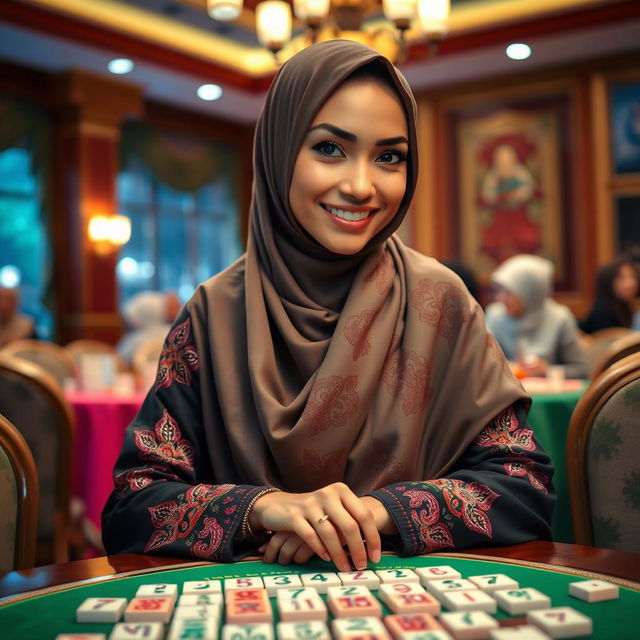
[332, 392]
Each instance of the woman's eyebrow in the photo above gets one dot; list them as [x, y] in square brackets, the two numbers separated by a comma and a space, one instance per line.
[389, 141]
[341, 133]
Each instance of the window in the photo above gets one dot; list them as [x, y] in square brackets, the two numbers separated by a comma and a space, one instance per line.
[24, 243]
[178, 239]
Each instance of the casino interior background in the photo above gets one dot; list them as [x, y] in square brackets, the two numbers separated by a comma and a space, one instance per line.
[89, 143]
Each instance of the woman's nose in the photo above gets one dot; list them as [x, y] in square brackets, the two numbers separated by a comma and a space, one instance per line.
[358, 180]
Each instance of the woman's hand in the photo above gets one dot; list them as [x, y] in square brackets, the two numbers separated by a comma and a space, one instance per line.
[325, 520]
[285, 547]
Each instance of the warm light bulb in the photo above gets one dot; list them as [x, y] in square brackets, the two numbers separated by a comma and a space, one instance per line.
[273, 23]
[224, 10]
[518, 51]
[399, 9]
[434, 17]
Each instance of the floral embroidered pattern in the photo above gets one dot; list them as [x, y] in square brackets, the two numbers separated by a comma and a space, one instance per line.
[468, 501]
[433, 533]
[135, 480]
[178, 358]
[406, 375]
[440, 305]
[177, 519]
[382, 274]
[331, 403]
[322, 469]
[381, 466]
[503, 431]
[526, 467]
[356, 332]
[166, 445]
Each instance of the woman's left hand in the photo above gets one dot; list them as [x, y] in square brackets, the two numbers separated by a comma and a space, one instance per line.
[285, 547]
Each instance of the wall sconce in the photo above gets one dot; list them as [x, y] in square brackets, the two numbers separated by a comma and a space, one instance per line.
[109, 233]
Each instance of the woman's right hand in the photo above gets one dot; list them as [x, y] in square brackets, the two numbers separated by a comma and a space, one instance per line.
[349, 522]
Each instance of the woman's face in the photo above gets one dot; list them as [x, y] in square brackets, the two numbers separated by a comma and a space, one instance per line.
[625, 284]
[351, 171]
[512, 303]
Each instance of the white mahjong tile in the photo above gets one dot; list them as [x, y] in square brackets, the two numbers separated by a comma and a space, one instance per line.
[195, 599]
[254, 582]
[365, 578]
[438, 587]
[157, 591]
[305, 630]
[594, 590]
[149, 610]
[517, 601]
[353, 590]
[469, 601]
[400, 625]
[408, 598]
[192, 628]
[397, 575]
[468, 625]
[320, 581]
[137, 630]
[523, 632]
[300, 604]
[353, 602]
[262, 631]
[81, 636]
[101, 610]
[198, 611]
[369, 627]
[561, 622]
[435, 634]
[201, 587]
[440, 572]
[493, 582]
[248, 606]
[273, 583]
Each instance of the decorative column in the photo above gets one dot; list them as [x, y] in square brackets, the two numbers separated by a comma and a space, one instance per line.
[89, 112]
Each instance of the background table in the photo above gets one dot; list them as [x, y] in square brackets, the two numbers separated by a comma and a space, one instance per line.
[101, 421]
[549, 416]
[546, 566]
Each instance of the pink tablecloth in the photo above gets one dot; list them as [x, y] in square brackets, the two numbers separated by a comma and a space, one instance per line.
[101, 421]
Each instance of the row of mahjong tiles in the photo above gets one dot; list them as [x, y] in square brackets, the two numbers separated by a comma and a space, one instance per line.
[415, 598]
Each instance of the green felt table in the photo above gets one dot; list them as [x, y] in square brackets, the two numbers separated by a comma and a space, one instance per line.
[549, 416]
[42, 615]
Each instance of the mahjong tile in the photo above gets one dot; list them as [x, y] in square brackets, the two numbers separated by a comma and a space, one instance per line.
[300, 604]
[305, 630]
[137, 630]
[201, 587]
[518, 601]
[594, 590]
[273, 583]
[366, 627]
[243, 583]
[561, 622]
[248, 606]
[157, 591]
[440, 572]
[353, 602]
[149, 610]
[320, 581]
[408, 598]
[262, 631]
[522, 632]
[402, 624]
[493, 582]
[468, 625]
[469, 601]
[397, 575]
[365, 578]
[438, 587]
[190, 628]
[101, 610]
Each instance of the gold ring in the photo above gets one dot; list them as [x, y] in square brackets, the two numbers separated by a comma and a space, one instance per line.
[324, 518]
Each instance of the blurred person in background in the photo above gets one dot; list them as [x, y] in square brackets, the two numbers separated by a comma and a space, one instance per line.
[148, 314]
[533, 330]
[13, 324]
[617, 285]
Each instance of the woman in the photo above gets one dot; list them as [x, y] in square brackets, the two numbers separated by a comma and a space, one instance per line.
[308, 391]
[617, 286]
[533, 330]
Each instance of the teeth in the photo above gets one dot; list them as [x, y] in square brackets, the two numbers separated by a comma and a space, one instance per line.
[347, 215]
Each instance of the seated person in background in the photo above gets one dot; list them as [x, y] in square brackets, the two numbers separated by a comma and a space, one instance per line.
[617, 285]
[147, 315]
[13, 325]
[309, 396]
[533, 330]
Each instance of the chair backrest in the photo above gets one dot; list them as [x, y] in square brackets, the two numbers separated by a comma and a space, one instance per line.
[32, 400]
[146, 357]
[78, 348]
[19, 500]
[595, 344]
[53, 358]
[602, 459]
[618, 349]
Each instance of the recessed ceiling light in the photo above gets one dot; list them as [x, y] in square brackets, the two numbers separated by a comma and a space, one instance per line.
[120, 65]
[518, 51]
[209, 92]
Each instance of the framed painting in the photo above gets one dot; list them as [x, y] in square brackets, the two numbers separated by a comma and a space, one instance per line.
[625, 127]
[512, 183]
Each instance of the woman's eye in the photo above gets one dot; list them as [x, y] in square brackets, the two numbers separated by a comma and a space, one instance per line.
[330, 149]
[392, 157]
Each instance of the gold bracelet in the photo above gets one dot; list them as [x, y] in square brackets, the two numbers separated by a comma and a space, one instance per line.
[245, 528]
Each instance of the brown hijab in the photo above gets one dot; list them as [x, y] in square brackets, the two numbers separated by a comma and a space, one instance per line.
[370, 368]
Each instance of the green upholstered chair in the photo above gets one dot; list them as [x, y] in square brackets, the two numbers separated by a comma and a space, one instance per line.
[19, 500]
[603, 464]
[33, 401]
[53, 358]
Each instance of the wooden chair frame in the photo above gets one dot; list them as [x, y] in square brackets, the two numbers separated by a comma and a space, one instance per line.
[617, 350]
[35, 375]
[87, 345]
[597, 394]
[14, 348]
[28, 494]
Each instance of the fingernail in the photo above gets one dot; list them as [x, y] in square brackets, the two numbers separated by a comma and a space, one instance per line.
[376, 556]
[326, 557]
[362, 566]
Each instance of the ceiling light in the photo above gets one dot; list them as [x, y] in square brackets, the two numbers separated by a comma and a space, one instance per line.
[518, 51]
[209, 92]
[224, 10]
[120, 66]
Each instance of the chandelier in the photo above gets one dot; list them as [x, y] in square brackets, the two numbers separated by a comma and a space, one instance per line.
[330, 19]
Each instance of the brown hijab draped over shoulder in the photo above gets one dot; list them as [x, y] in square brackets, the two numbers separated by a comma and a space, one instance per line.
[316, 367]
